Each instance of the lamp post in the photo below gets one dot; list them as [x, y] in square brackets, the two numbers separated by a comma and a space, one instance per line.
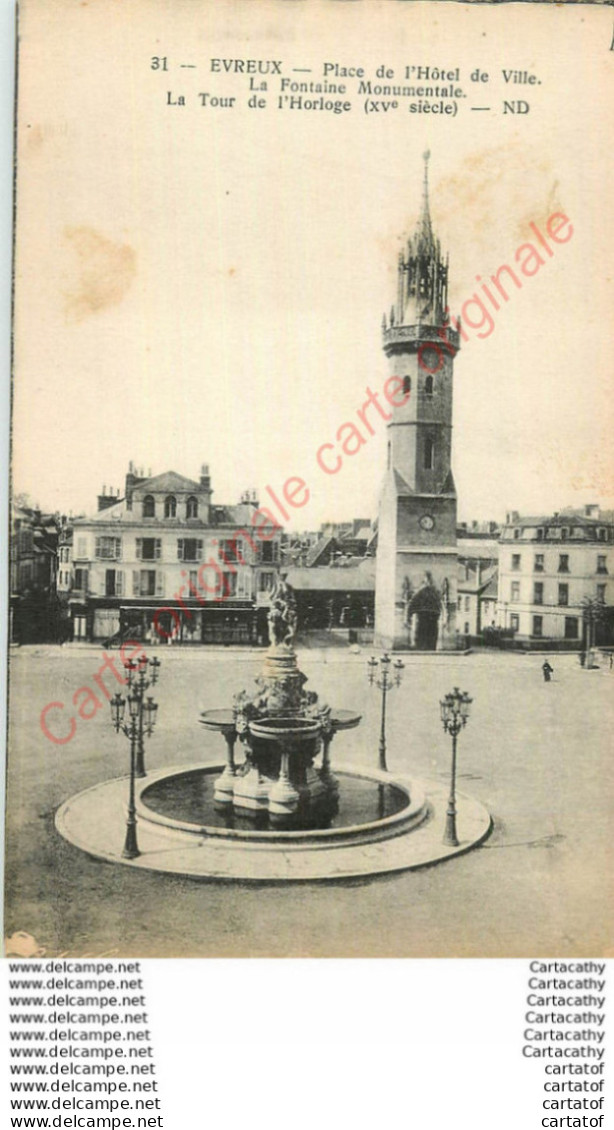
[141, 676]
[454, 714]
[137, 709]
[388, 678]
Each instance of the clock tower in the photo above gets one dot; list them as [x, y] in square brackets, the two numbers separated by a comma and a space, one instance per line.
[415, 590]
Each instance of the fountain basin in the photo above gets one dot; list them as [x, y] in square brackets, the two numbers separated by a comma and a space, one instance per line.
[374, 807]
[288, 732]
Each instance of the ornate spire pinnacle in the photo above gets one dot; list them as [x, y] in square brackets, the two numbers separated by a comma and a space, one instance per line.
[422, 286]
[424, 229]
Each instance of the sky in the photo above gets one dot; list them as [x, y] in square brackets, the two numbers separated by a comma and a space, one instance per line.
[198, 285]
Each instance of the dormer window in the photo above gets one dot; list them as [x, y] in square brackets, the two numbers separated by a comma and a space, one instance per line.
[191, 508]
[149, 506]
[170, 506]
[540, 534]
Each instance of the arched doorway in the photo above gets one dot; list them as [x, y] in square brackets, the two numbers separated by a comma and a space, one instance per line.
[423, 618]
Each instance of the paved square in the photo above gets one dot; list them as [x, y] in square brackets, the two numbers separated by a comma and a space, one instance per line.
[535, 754]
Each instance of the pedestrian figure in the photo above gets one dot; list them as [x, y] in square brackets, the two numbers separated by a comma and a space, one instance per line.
[611, 659]
[548, 671]
[582, 658]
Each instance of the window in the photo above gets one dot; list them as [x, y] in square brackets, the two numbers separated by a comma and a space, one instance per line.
[538, 564]
[265, 581]
[149, 506]
[564, 533]
[516, 532]
[571, 627]
[601, 593]
[428, 386]
[563, 563]
[601, 535]
[466, 627]
[113, 585]
[230, 585]
[515, 593]
[538, 593]
[81, 580]
[564, 594]
[193, 581]
[514, 621]
[406, 386]
[108, 549]
[170, 506]
[145, 582]
[189, 549]
[540, 534]
[81, 547]
[244, 586]
[269, 551]
[429, 453]
[538, 626]
[602, 564]
[191, 507]
[467, 603]
[231, 550]
[148, 549]
[515, 561]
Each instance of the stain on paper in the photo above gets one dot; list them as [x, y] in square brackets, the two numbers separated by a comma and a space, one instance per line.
[103, 272]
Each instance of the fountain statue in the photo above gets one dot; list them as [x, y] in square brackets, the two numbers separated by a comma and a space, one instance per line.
[283, 728]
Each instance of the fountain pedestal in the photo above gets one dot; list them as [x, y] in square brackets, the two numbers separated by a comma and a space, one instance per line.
[283, 729]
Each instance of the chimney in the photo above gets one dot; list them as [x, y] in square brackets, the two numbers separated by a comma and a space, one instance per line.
[591, 510]
[130, 485]
[105, 500]
[205, 489]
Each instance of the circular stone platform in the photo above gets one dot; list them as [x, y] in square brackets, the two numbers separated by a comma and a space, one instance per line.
[94, 822]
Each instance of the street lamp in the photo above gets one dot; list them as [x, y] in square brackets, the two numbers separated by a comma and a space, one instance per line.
[136, 711]
[454, 714]
[389, 677]
[140, 677]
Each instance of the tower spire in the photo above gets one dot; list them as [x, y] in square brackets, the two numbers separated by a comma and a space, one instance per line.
[424, 230]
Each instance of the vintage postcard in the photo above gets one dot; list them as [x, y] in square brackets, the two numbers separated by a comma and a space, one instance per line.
[312, 527]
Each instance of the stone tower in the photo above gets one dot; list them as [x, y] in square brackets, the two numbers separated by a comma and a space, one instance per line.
[415, 592]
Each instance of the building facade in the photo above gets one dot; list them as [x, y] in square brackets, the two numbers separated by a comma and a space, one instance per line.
[34, 609]
[416, 594]
[555, 577]
[165, 564]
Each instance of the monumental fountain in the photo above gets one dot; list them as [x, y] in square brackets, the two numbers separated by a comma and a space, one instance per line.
[276, 809]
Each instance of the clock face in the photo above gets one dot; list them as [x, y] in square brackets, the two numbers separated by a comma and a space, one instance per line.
[427, 522]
